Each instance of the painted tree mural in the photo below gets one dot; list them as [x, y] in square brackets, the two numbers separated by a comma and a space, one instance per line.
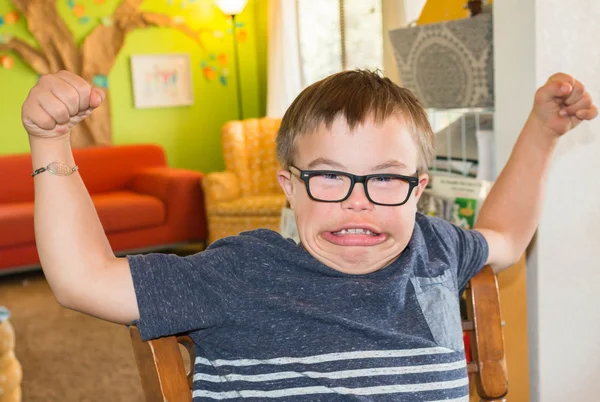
[92, 60]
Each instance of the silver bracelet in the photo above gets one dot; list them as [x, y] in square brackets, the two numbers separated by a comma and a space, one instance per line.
[57, 168]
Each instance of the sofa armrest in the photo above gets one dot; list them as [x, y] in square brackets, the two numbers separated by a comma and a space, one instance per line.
[221, 186]
[179, 189]
[165, 183]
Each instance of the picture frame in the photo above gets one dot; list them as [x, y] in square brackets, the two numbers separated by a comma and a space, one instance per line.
[161, 80]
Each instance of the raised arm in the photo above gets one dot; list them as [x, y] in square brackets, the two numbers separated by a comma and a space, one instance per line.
[77, 260]
[511, 212]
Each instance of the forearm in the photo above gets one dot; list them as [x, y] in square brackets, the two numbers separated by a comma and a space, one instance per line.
[70, 240]
[512, 209]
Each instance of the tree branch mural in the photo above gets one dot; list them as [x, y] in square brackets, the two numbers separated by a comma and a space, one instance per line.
[93, 60]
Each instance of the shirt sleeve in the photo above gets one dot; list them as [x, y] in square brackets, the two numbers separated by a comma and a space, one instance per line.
[182, 294]
[467, 249]
[472, 253]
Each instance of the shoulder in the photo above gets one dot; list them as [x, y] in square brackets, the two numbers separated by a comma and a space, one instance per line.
[434, 230]
[439, 231]
[253, 241]
[253, 245]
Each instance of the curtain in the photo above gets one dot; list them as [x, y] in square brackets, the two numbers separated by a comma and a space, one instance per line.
[284, 72]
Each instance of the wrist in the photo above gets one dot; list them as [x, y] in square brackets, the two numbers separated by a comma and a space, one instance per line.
[536, 129]
[47, 150]
[60, 139]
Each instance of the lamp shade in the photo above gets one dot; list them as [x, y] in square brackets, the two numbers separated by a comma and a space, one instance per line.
[231, 7]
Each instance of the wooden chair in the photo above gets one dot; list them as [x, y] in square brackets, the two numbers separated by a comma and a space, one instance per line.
[484, 325]
[161, 367]
[164, 377]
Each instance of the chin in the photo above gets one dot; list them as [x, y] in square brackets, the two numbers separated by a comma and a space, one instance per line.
[358, 260]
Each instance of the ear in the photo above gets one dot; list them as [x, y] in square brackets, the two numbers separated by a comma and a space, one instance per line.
[284, 177]
[423, 180]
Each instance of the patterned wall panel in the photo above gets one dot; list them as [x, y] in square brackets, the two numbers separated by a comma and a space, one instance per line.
[449, 64]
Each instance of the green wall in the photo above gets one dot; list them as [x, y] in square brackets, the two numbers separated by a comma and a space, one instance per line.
[191, 134]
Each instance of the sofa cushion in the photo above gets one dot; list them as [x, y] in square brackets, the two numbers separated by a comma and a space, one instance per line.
[16, 221]
[255, 205]
[118, 211]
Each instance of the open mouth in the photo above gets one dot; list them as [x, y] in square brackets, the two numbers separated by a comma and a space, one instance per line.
[354, 232]
[354, 237]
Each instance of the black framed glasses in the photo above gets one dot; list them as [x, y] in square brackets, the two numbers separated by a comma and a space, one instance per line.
[333, 186]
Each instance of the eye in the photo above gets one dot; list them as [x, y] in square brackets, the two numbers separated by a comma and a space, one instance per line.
[330, 176]
[383, 179]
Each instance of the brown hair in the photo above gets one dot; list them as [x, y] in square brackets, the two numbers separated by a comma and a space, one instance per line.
[356, 95]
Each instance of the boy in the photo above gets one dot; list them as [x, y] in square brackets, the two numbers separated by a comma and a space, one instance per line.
[366, 307]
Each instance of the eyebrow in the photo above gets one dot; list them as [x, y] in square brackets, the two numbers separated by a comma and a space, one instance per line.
[391, 163]
[325, 161]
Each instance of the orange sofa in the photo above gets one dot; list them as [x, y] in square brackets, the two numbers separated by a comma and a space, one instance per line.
[143, 204]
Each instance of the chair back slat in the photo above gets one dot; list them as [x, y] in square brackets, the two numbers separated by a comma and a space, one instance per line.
[161, 368]
[487, 338]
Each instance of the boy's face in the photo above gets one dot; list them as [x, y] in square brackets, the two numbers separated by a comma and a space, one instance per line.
[325, 229]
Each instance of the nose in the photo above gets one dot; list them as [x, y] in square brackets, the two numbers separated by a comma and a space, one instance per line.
[357, 200]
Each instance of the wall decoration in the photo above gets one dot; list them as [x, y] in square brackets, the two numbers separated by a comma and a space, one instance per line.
[216, 65]
[11, 17]
[101, 81]
[448, 64]
[162, 80]
[93, 59]
[6, 61]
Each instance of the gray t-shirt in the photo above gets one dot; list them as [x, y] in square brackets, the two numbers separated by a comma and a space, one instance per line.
[272, 322]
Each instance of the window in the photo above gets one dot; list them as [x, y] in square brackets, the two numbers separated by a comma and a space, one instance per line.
[328, 46]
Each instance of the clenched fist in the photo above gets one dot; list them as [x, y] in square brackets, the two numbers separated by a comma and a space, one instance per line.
[562, 103]
[57, 103]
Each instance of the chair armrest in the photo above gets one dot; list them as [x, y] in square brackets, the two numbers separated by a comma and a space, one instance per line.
[221, 186]
[486, 335]
[161, 367]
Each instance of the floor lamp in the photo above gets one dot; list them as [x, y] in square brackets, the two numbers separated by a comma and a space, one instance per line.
[233, 8]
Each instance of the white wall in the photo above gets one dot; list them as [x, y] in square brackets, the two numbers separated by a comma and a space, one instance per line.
[534, 39]
[396, 14]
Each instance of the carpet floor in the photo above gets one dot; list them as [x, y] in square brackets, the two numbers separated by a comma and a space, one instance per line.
[67, 356]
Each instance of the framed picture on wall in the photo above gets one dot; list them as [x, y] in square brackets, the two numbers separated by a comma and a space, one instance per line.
[161, 80]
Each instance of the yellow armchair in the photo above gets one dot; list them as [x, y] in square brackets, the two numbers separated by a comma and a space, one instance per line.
[246, 195]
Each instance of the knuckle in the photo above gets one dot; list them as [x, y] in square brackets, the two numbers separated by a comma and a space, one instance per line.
[46, 78]
[71, 99]
[33, 92]
[65, 74]
[84, 89]
[61, 114]
[45, 121]
[539, 95]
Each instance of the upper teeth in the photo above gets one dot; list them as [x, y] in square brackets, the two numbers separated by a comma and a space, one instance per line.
[355, 231]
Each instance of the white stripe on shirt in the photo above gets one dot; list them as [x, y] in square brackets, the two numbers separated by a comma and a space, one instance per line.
[370, 372]
[384, 389]
[328, 357]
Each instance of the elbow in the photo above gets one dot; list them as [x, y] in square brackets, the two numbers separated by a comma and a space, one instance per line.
[70, 291]
[504, 250]
[497, 268]
[65, 295]
[65, 300]
[505, 262]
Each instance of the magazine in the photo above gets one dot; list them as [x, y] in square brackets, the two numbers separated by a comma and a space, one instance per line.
[454, 198]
